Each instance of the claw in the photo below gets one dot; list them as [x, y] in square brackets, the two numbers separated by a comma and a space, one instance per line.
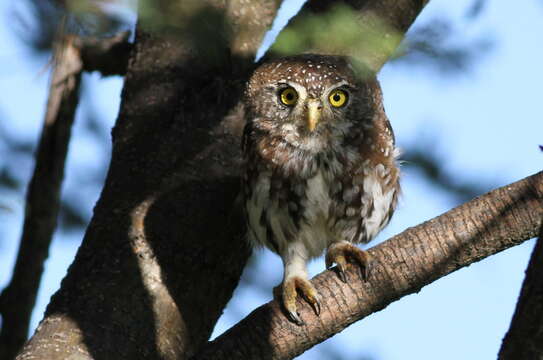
[316, 308]
[339, 252]
[295, 318]
[341, 273]
[314, 301]
[290, 290]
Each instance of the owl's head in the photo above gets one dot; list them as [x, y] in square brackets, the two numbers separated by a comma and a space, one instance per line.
[308, 100]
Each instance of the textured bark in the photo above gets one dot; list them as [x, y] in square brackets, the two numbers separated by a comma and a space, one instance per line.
[403, 265]
[524, 340]
[163, 237]
[42, 200]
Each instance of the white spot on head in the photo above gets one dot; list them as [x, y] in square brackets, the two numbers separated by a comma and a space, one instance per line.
[276, 67]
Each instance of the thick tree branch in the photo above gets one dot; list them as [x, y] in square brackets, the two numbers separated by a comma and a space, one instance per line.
[524, 340]
[403, 265]
[42, 199]
[376, 29]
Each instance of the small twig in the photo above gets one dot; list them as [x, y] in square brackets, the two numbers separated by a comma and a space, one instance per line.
[42, 199]
[524, 340]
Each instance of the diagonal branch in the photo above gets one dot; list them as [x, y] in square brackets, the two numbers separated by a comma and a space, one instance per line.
[403, 265]
[42, 199]
[524, 340]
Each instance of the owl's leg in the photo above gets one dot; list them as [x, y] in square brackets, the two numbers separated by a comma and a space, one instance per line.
[295, 282]
[342, 252]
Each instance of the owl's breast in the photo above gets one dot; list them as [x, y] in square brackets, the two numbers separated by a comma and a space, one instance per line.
[332, 200]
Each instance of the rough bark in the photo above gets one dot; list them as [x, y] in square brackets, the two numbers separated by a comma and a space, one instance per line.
[403, 265]
[164, 249]
[42, 200]
[524, 340]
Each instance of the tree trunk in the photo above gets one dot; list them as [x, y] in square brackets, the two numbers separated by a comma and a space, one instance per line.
[164, 249]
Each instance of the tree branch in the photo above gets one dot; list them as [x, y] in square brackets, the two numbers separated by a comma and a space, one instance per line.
[524, 340]
[403, 265]
[42, 199]
[375, 29]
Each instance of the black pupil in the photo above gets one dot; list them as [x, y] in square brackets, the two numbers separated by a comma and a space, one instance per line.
[289, 96]
[336, 97]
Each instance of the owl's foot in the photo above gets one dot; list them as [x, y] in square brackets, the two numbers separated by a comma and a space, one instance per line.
[290, 288]
[343, 252]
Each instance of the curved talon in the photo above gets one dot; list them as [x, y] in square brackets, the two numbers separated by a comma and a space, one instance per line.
[295, 318]
[314, 301]
[341, 273]
[340, 251]
[290, 290]
[316, 307]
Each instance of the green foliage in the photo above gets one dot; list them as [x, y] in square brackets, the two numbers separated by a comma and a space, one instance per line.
[338, 31]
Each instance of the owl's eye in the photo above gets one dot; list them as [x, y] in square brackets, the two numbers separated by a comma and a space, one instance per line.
[288, 96]
[338, 98]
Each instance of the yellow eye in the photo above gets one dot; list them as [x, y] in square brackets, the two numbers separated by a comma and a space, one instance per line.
[338, 98]
[288, 96]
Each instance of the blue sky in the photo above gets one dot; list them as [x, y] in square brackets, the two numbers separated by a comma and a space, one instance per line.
[486, 124]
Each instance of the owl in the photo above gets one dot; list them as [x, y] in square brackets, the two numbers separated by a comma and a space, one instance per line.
[320, 168]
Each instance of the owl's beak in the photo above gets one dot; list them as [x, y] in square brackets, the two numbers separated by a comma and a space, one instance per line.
[314, 108]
